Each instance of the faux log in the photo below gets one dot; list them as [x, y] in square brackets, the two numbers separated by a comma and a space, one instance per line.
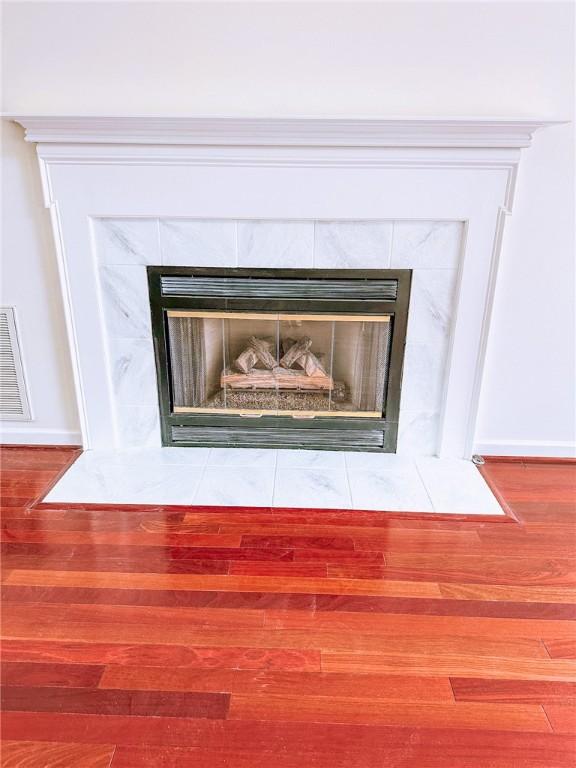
[262, 351]
[296, 351]
[278, 378]
[311, 365]
[246, 361]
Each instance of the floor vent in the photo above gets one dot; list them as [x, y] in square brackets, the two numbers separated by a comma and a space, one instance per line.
[14, 403]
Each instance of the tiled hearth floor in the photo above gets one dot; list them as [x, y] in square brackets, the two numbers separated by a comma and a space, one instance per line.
[206, 637]
[270, 478]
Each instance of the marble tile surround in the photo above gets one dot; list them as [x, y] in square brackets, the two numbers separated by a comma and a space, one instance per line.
[126, 246]
[283, 478]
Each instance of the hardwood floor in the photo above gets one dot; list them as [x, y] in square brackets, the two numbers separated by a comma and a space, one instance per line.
[213, 638]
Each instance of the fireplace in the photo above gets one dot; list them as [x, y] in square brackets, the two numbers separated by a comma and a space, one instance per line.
[279, 358]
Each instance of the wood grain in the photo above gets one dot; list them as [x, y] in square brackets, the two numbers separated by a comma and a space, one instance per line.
[47, 675]
[507, 717]
[510, 691]
[385, 688]
[315, 744]
[452, 665]
[141, 635]
[114, 702]
[161, 655]
[41, 754]
[563, 646]
[562, 717]
[300, 585]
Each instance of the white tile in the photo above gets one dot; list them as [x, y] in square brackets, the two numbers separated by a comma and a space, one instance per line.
[311, 459]
[236, 486]
[432, 307]
[383, 462]
[198, 243]
[193, 457]
[389, 490]
[353, 244]
[126, 302]
[456, 486]
[133, 372]
[423, 377]
[281, 244]
[418, 433]
[126, 484]
[312, 488]
[127, 241]
[177, 476]
[242, 457]
[426, 244]
[138, 426]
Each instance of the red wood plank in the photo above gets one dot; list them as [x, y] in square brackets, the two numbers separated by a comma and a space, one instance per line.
[162, 656]
[304, 639]
[312, 570]
[30, 674]
[135, 565]
[505, 717]
[135, 614]
[337, 556]
[40, 754]
[446, 607]
[453, 744]
[510, 691]
[130, 539]
[287, 584]
[355, 571]
[115, 702]
[86, 552]
[562, 717]
[561, 647]
[422, 626]
[385, 688]
[453, 665]
[536, 570]
[168, 598]
[299, 542]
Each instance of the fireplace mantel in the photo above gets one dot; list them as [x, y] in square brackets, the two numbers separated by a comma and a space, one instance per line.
[289, 131]
[152, 169]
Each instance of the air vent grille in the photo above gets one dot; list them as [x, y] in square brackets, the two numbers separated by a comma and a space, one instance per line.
[263, 288]
[14, 404]
[234, 437]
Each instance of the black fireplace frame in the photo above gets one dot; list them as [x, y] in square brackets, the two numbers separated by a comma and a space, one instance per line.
[341, 433]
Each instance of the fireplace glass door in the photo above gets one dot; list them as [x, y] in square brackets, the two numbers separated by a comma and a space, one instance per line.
[278, 364]
[279, 358]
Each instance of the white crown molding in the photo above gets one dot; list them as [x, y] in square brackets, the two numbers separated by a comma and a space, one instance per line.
[282, 132]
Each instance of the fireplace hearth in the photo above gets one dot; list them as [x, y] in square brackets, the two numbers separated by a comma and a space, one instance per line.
[279, 358]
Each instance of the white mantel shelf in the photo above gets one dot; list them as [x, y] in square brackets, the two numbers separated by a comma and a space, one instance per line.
[288, 132]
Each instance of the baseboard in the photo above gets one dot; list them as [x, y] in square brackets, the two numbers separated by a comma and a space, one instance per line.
[12, 435]
[558, 449]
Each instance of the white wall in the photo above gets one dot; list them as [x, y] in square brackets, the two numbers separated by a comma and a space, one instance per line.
[29, 282]
[438, 59]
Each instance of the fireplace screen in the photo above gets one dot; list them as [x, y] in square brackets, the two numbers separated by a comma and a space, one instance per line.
[296, 365]
[262, 357]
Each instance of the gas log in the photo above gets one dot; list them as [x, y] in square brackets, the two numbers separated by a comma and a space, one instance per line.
[283, 376]
[296, 351]
[258, 351]
[262, 349]
[311, 365]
